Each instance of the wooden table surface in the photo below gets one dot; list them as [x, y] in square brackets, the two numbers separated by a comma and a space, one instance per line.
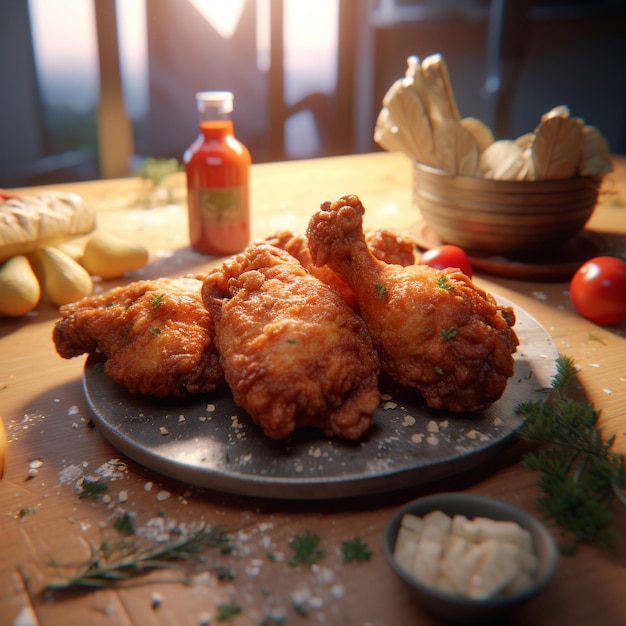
[52, 445]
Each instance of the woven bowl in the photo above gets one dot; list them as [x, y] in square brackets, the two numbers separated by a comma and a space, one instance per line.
[504, 217]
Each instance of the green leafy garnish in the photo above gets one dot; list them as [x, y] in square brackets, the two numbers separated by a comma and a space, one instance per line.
[156, 332]
[381, 289]
[306, 549]
[124, 523]
[228, 611]
[579, 474]
[157, 300]
[443, 282]
[92, 489]
[355, 550]
[448, 333]
[439, 370]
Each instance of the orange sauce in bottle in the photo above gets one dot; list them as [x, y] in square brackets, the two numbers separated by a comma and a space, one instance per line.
[218, 191]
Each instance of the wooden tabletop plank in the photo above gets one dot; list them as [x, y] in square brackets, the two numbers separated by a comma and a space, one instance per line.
[48, 420]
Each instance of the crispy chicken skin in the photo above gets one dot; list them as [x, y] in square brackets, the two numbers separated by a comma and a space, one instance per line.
[434, 330]
[157, 335]
[293, 353]
[384, 244]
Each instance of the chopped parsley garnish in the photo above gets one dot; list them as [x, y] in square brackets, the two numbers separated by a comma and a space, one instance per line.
[438, 370]
[157, 300]
[92, 489]
[443, 282]
[156, 332]
[448, 333]
[124, 523]
[306, 549]
[292, 341]
[381, 289]
[355, 550]
[228, 611]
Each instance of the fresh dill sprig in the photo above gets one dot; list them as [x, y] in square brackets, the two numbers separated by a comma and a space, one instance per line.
[114, 562]
[580, 476]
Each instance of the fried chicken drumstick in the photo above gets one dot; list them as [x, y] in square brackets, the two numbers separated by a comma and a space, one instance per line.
[293, 352]
[384, 244]
[434, 330]
[157, 335]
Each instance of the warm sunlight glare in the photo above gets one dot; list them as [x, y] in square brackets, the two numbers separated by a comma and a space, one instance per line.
[223, 16]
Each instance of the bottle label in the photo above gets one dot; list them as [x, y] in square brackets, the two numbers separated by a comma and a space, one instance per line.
[222, 206]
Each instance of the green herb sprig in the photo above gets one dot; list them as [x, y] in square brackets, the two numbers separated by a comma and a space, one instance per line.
[355, 550]
[112, 563]
[580, 476]
[306, 549]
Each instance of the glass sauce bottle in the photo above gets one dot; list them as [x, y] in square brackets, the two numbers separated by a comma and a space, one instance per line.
[217, 167]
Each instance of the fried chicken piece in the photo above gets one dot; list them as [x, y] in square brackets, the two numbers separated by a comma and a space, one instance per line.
[434, 330]
[157, 335]
[384, 244]
[293, 353]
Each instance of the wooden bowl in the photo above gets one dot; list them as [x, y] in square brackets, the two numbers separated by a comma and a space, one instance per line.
[503, 217]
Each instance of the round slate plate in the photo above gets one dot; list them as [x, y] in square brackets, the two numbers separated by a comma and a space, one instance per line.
[210, 442]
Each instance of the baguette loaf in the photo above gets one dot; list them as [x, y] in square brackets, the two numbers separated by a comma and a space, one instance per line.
[30, 222]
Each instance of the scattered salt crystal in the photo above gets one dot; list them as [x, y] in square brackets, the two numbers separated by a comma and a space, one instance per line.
[472, 434]
[163, 495]
[164, 430]
[540, 295]
[73, 410]
[385, 396]
[594, 364]
[432, 427]
[210, 408]
[337, 591]
[147, 486]
[204, 619]
[122, 496]
[409, 420]
[432, 440]
[389, 405]
[32, 472]
[417, 437]
[157, 599]
[608, 392]
[35, 464]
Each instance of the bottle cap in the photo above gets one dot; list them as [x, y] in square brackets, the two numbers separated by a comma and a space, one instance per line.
[219, 101]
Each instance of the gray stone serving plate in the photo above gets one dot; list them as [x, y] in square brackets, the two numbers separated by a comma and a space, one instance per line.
[209, 442]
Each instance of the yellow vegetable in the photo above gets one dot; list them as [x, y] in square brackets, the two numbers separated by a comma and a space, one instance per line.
[64, 280]
[109, 256]
[72, 249]
[19, 287]
[3, 447]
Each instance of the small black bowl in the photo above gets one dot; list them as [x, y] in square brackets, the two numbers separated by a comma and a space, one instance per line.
[456, 609]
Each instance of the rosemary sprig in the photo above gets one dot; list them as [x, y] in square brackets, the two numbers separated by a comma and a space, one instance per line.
[113, 562]
[580, 475]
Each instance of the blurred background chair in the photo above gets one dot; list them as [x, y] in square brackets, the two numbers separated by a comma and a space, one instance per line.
[509, 61]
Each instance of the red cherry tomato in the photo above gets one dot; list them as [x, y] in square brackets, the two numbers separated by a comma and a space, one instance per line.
[598, 290]
[445, 256]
